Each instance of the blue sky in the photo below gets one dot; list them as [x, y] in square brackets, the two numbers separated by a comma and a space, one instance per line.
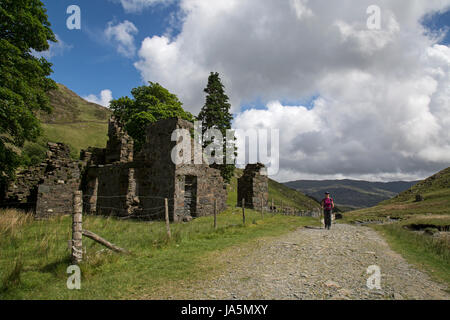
[377, 98]
[89, 63]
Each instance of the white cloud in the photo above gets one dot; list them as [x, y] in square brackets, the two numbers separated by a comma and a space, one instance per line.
[134, 6]
[123, 35]
[363, 127]
[103, 99]
[56, 49]
[384, 94]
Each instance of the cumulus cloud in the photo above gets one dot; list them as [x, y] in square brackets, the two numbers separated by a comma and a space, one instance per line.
[383, 95]
[377, 128]
[122, 35]
[103, 99]
[134, 6]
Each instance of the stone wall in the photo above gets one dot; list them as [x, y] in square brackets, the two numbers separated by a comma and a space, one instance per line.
[253, 186]
[93, 156]
[108, 190]
[48, 188]
[61, 179]
[208, 187]
[120, 145]
[22, 193]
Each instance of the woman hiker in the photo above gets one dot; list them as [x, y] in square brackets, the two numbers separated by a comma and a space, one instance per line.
[327, 206]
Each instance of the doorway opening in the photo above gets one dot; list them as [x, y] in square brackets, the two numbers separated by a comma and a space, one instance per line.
[190, 196]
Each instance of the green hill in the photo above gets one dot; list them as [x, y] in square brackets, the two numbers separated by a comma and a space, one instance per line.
[435, 191]
[434, 187]
[74, 121]
[351, 194]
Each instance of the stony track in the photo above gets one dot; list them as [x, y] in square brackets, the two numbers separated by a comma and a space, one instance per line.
[315, 264]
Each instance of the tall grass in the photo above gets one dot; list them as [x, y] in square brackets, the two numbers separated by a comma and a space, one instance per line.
[12, 220]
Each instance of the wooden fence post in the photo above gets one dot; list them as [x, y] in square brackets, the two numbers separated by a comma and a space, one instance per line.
[215, 213]
[77, 228]
[243, 210]
[282, 207]
[166, 204]
[273, 208]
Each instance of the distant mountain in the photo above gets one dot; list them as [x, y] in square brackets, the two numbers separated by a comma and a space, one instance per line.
[351, 194]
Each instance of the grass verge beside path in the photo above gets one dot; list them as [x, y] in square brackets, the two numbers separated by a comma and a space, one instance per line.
[34, 254]
[428, 253]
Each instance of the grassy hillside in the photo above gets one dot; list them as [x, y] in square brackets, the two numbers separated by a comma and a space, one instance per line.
[434, 187]
[421, 233]
[74, 121]
[278, 192]
[351, 194]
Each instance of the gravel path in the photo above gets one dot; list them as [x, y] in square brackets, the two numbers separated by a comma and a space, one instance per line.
[316, 264]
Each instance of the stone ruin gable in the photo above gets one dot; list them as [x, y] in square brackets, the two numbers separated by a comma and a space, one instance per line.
[160, 177]
[120, 145]
[47, 188]
[155, 174]
[254, 186]
[61, 179]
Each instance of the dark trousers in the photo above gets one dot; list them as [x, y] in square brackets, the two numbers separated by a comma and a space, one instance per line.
[327, 217]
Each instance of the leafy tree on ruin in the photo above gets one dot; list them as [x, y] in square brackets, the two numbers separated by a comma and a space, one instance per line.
[216, 114]
[24, 79]
[149, 104]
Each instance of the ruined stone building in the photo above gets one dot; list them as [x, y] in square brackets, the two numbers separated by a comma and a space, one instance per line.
[117, 181]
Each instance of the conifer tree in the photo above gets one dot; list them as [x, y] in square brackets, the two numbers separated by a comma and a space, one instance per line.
[216, 114]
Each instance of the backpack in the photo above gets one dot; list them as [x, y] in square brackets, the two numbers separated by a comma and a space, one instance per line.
[328, 203]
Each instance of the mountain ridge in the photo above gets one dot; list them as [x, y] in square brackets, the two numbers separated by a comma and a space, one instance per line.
[351, 194]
